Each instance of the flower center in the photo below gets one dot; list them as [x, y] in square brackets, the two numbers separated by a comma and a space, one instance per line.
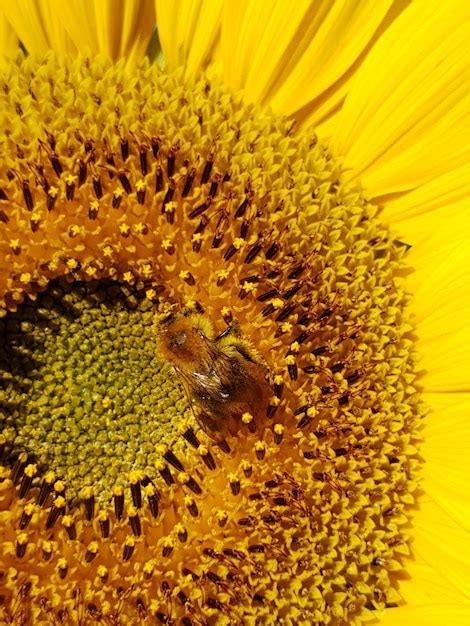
[88, 397]
[146, 193]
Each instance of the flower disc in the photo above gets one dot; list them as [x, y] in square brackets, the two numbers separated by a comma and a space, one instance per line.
[126, 193]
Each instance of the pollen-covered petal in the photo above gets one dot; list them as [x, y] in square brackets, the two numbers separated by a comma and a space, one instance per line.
[39, 24]
[445, 448]
[188, 31]
[293, 59]
[394, 142]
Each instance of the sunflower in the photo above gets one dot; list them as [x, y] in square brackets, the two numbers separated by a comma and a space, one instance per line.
[290, 184]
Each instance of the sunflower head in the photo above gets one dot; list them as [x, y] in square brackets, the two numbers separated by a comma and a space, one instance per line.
[123, 197]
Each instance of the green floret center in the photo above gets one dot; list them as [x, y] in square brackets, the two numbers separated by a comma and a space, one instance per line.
[82, 390]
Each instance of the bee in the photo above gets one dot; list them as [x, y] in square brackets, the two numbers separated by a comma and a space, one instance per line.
[223, 377]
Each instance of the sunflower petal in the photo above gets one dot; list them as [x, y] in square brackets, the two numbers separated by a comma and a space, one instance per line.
[188, 31]
[443, 544]
[441, 614]
[8, 38]
[39, 24]
[445, 449]
[288, 59]
[388, 137]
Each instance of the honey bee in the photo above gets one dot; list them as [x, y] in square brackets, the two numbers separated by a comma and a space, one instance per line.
[223, 377]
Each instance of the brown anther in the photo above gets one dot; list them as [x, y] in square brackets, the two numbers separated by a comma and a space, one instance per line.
[166, 474]
[192, 507]
[182, 534]
[118, 498]
[21, 545]
[124, 149]
[170, 163]
[63, 569]
[188, 182]
[207, 168]
[26, 517]
[18, 468]
[167, 551]
[126, 185]
[134, 521]
[97, 187]
[27, 480]
[223, 445]
[247, 468]
[199, 210]
[235, 486]
[193, 485]
[46, 550]
[116, 201]
[173, 460]
[57, 509]
[46, 488]
[143, 160]
[27, 195]
[253, 253]
[104, 525]
[91, 552]
[69, 190]
[136, 492]
[93, 210]
[191, 437]
[170, 192]
[159, 179]
[208, 459]
[231, 250]
[155, 145]
[260, 450]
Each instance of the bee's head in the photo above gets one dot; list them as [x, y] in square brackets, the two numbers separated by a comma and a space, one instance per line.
[181, 339]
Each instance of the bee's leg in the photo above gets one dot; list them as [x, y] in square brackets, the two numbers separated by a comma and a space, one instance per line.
[232, 329]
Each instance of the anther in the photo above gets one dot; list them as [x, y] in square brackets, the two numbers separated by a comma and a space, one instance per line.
[57, 509]
[188, 182]
[70, 187]
[126, 185]
[191, 437]
[55, 162]
[253, 253]
[103, 520]
[136, 492]
[165, 473]
[223, 445]
[199, 210]
[173, 460]
[260, 450]
[62, 568]
[21, 544]
[170, 192]
[189, 482]
[168, 547]
[118, 497]
[152, 499]
[27, 195]
[124, 149]
[26, 516]
[181, 532]
[46, 488]
[159, 179]
[143, 160]
[247, 468]
[234, 484]
[278, 432]
[46, 550]
[98, 189]
[18, 468]
[170, 164]
[207, 168]
[207, 457]
[272, 251]
[134, 521]
[155, 145]
[129, 546]
[267, 295]
[285, 312]
[191, 506]
[30, 472]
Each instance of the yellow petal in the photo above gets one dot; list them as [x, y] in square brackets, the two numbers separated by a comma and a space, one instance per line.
[432, 209]
[446, 453]
[116, 28]
[428, 615]
[291, 59]
[8, 38]
[405, 120]
[443, 544]
[188, 31]
[39, 24]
